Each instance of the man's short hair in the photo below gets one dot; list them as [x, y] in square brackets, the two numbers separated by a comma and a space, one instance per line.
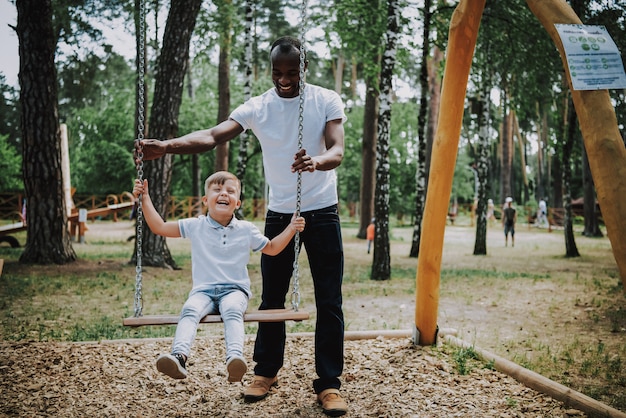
[286, 44]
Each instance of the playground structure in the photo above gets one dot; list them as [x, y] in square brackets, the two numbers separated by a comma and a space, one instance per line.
[428, 268]
[603, 142]
[598, 124]
[77, 219]
[599, 141]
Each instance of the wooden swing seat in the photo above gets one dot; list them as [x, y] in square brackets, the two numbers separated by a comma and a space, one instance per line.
[268, 315]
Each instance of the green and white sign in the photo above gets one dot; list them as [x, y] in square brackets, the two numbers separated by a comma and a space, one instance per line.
[593, 59]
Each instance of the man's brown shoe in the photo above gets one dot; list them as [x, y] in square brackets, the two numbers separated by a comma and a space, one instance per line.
[259, 388]
[332, 403]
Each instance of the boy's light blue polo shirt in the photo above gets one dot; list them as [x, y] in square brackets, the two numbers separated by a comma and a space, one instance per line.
[220, 254]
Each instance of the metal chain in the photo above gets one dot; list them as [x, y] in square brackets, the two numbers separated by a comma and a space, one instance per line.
[141, 60]
[295, 293]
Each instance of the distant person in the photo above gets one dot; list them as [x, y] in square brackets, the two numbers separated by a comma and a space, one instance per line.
[220, 252]
[509, 217]
[454, 210]
[542, 212]
[370, 232]
[491, 211]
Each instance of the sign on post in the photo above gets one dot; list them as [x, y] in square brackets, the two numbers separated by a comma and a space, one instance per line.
[592, 56]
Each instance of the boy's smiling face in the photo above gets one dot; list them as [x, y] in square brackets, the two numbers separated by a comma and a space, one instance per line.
[222, 199]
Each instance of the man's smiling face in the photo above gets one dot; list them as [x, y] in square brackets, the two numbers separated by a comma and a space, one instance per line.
[286, 72]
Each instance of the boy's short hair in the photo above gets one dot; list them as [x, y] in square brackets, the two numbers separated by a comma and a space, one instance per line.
[221, 177]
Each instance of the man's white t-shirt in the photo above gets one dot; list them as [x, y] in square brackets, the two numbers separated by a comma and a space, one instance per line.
[274, 121]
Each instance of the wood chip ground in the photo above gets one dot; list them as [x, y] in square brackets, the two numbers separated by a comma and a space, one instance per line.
[382, 378]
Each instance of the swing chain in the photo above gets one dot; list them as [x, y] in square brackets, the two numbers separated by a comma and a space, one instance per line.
[141, 57]
[295, 294]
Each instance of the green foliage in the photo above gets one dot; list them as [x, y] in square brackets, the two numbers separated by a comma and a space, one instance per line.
[349, 172]
[465, 359]
[102, 157]
[10, 167]
[9, 113]
[463, 184]
[97, 90]
[100, 119]
[360, 25]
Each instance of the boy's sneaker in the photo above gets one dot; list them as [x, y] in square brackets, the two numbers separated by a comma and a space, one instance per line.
[236, 368]
[172, 365]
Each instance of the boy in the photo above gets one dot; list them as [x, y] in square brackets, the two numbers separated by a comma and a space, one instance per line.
[220, 251]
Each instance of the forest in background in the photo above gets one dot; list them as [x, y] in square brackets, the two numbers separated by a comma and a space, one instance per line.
[516, 80]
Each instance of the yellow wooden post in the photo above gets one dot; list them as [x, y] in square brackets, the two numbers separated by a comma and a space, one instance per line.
[603, 142]
[461, 43]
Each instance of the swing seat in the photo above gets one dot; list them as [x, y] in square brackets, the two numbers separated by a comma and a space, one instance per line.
[268, 315]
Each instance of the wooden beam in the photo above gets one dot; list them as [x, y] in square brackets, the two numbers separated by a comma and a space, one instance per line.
[11, 228]
[92, 213]
[269, 315]
[462, 41]
[542, 384]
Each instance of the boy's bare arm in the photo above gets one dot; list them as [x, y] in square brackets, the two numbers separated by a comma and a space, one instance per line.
[153, 219]
[280, 241]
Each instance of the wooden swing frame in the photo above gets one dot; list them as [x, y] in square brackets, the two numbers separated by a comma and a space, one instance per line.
[266, 315]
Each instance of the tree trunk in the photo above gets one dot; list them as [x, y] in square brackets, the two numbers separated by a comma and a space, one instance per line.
[555, 172]
[540, 189]
[592, 225]
[507, 152]
[570, 133]
[420, 174]
[434, 93]
[462, 41]
[368, 158]
[381, 265]
[242, 157]
[48, 239]
[168, 92]
[604, 144]
[522, 153]
[223, 79]
[197, 188]
[338, 73]
[482, 167]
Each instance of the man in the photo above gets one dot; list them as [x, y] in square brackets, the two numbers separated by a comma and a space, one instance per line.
[273, 117]
[509, 217]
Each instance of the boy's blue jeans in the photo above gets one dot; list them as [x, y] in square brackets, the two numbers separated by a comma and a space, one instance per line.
[230, 301]
[322, 239]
